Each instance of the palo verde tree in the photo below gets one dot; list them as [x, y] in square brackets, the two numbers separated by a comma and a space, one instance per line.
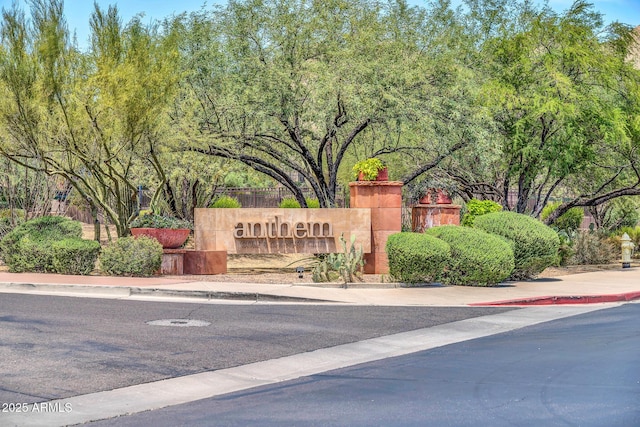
[292, 88]
[91, 118]
[563, 101]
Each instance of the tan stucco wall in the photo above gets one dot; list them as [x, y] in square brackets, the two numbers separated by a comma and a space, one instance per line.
[215, 230]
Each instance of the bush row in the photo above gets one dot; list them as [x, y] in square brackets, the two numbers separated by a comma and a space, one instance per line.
[53, 244]
[477, 258]
[288, 202]
[49, 244]
[501, 245]
[416, 257]
[476, 208]
[131, 256]
[292, 203]
[535, 246]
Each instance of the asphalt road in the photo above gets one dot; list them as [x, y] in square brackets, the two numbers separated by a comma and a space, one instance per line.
[56, 347]
[577, 371]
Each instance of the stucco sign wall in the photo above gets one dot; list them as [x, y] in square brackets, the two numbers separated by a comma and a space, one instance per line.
[265, 231]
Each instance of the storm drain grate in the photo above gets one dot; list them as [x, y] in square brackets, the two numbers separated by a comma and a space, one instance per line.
[181, 323]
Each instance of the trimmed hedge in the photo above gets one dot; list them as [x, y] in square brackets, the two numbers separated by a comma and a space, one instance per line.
[416, 257]
[477, 258]
[9, 222]
[75, 256]
[476, 208]
[226, 202]
[312, 203]
[289, 203]
[131, 256]
[28, 247]
[292, 203]
[535, 244]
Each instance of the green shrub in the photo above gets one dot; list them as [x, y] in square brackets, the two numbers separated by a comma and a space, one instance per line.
[28, 246]
[565, 250]
[477, 258]
[292, 203]
[131, 256]
[289, 203]
[312, 203]
[53, 227]
[535, 244]
[416, 257]
[369, 168]
[226, 202]
[591, 248]
[8, 221]
[568, 221]
[75, 256]
[18, 214]
[30, 255]
[476, 207]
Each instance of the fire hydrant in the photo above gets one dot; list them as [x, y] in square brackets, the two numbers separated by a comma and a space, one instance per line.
[627, 250]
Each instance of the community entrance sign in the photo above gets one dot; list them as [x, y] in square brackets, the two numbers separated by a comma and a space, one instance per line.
[268, 231]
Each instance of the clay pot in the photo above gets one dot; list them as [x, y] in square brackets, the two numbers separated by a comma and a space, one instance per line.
[383, 175]
[442, 198]
[169, 238]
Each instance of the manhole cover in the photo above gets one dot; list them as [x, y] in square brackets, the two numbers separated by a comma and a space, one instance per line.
[181, 323]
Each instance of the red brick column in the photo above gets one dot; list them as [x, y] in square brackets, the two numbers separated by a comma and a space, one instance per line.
[384, 198]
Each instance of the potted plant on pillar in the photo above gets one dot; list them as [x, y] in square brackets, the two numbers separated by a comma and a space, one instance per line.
[169, 231]
[429, 192]
[371, 169]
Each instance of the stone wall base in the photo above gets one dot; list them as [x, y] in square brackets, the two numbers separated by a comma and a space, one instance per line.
[172, 262]
[205, 262]
[176, 262]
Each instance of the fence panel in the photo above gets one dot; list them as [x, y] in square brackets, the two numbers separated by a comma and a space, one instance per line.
[268, 197]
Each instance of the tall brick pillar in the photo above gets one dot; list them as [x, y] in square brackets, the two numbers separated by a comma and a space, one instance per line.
[384, 198]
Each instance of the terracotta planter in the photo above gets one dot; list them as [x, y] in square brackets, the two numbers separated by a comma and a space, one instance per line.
[383, 175]
[442, 198]
[169, 238]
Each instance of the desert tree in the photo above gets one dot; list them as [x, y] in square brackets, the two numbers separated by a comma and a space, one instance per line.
[293, 88]
[562, 101]
[92, 118]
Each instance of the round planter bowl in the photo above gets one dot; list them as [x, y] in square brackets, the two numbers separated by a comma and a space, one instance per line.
[169, 238]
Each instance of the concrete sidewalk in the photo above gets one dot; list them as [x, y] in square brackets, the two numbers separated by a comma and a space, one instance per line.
[594, 287]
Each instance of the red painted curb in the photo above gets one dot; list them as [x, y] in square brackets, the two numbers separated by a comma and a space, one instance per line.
[580, 299]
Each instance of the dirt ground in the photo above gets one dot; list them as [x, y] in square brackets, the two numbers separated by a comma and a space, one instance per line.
[88, 233]
[281, 269]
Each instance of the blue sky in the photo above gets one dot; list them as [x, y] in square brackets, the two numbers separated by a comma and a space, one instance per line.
[78, 11]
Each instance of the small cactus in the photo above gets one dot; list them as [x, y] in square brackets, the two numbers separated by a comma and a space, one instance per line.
[347, 264]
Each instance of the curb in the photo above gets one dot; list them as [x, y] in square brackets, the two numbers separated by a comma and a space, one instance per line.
[126, 291]
[579, 299]
[210, 295]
